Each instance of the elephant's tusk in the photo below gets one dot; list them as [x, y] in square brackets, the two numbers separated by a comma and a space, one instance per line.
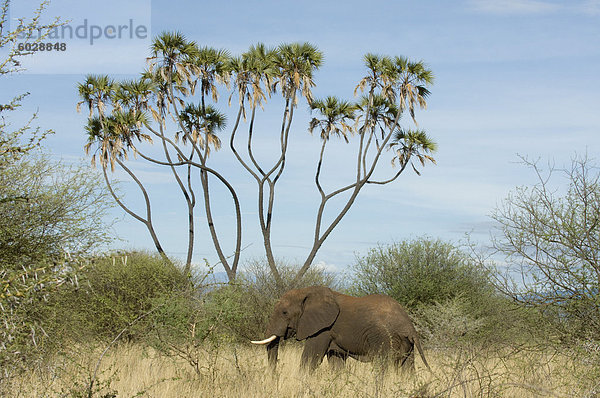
[265, 341]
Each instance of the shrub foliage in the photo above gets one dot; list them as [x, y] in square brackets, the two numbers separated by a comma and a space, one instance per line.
[114, 293]
[420, 271]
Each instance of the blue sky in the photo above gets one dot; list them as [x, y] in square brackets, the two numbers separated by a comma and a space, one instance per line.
[512, 77]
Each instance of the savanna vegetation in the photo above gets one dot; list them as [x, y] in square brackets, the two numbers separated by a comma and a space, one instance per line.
[81, 320]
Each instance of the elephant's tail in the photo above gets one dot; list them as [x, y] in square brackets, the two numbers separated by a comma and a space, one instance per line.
[417, 343]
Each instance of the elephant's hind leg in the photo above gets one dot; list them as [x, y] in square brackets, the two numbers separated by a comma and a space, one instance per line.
[336, 360]
[405, 357]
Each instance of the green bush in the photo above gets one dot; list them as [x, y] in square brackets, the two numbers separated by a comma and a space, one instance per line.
[116, 292]
[449, 323]
[496, 321]
[51, 214]
[421, 271]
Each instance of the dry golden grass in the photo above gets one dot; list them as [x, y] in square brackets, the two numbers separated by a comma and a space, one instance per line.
[241, 371]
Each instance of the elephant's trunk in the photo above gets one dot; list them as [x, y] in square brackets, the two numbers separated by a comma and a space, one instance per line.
[272, 350]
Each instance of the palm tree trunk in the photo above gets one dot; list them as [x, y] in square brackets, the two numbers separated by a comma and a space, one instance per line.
[319, 239]
[211, 226]
[191, 204]
[189, 199]
[230, 270]
[146, 221]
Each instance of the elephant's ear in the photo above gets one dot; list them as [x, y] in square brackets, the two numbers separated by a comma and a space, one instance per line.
[320, 310]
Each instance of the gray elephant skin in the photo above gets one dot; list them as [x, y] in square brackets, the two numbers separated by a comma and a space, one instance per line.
[340, 326]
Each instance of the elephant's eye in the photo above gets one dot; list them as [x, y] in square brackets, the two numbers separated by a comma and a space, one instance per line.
[284, 312]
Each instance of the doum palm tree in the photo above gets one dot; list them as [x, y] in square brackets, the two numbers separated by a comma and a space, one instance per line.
[175, 103]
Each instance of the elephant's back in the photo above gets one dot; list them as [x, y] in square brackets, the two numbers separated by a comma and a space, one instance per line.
[384, 302]
[391, 313]
[381, 308]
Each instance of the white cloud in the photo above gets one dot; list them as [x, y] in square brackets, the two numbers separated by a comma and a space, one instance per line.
[328, 267]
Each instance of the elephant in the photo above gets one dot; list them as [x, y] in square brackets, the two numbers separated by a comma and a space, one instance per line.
[340, 326]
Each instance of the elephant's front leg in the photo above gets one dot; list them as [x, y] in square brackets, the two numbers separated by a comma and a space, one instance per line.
[315, 349]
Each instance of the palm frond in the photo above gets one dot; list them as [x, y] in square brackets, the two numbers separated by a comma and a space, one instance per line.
[335, 113]
[413, 143]
[296, 63]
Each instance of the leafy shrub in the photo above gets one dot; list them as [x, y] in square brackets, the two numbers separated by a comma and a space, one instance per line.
[116, 292]
[495, 321]
[421, 271]
[449, 323]
[50, 215]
